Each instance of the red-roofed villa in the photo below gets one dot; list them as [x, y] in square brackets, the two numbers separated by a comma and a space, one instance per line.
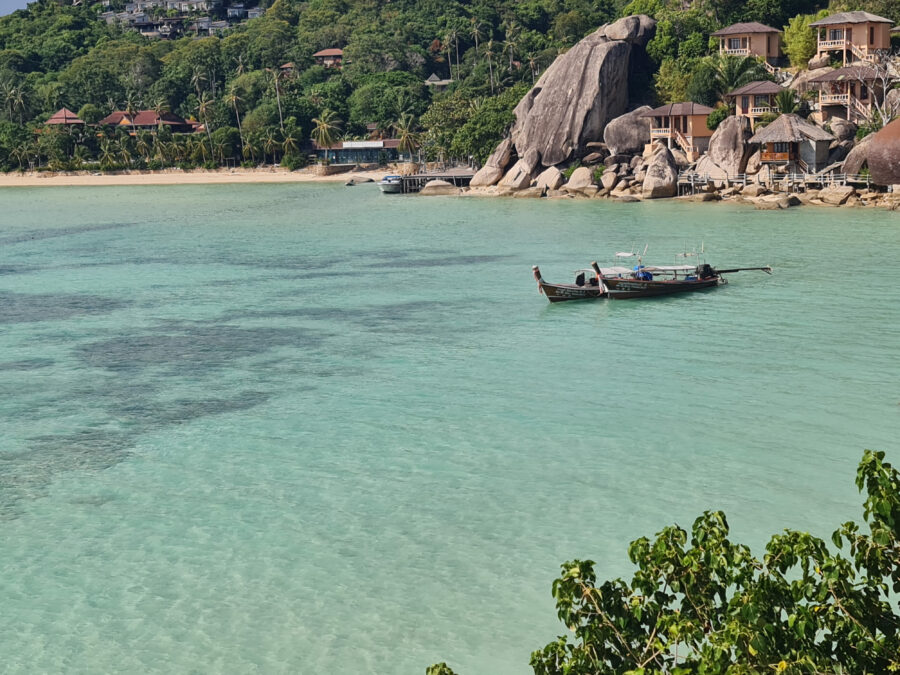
[330, 58]
[149, 119]
[857, 35]
[751, 39]
[683, 124]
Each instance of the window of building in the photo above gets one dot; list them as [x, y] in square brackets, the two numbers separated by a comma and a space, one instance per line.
[783, 148]
[871, 35]
[761, 101]
[836, 34]
[745, 102]
[734, 43]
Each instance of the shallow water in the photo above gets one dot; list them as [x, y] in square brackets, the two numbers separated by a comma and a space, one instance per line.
[319, 429]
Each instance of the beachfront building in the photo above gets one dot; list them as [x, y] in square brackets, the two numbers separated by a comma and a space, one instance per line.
[858, 36]
[64, 117]
[330, 58]
[792, 142]
[148, 120]
[360, 152]
[754, 100]
[681, 125]
[751, 39]
[849, 93]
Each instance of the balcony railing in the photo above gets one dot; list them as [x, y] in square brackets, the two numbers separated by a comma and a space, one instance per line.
[761, 110]
[660, 133]
[834, 99]
[834, 44]
[741, 51]
[775, 157]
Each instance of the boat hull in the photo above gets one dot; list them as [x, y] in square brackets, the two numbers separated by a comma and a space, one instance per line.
[624, 289]
[391, 188]
[564, 292]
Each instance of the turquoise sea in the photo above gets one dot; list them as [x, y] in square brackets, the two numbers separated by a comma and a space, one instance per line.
[317, 429]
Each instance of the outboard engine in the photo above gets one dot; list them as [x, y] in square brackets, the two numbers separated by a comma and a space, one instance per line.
[705, 271]
[579, 280]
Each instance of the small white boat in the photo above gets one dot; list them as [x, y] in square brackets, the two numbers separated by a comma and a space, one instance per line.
[391, 185]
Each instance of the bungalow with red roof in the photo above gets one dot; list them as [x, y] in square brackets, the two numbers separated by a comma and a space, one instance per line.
[751, 39]
[330, 58]
[857, 35]
[793, 142]
[148, 119]
[683, 124]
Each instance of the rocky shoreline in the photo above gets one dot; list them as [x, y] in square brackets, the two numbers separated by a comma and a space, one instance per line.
[580, 132]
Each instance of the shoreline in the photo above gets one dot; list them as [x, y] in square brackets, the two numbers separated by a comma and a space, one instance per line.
[177, 177]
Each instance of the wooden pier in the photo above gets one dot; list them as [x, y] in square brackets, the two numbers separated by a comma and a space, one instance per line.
[691, 183]
[417, 181]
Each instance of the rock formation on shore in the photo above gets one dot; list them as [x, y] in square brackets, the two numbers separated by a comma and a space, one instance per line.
[884, 155]
[573, 101]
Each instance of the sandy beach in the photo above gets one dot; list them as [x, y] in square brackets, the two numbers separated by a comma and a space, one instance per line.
[177, 177]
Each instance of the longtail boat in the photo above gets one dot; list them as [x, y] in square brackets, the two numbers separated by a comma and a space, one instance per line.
[641, 281]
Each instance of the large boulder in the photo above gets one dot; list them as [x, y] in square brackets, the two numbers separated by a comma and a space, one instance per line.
[801, 84]
[580, 179]
[637, 29]
[836, 194]
[842, 130]
[496, 164]
[728, 147]
[551, 179]
[707, 167]
[884, 157]
[578, 95]
[439, 187]
[628, 133]
[817, 62]
[662, 175]
[858, 156]
[519, 176]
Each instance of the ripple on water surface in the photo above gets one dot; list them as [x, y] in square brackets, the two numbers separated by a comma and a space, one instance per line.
[318, 429]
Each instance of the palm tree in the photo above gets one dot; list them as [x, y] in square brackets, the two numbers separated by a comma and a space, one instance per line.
[453, 39]
[107, 154]
[8, 94]
[131, 110]
[241, 68]
[289, 144]
[81, 155]
[143, 145]
[475, 32]
[409, 140]
[736, 71]
[197, 80]
[532, 62]
[490, 50]
[20, 103]
[234, 99]
[21, 153]
[125, 154]
[786, 101]
[510, 45]
[270, 144]
[276, 75]
[204, 106]
[326, 128]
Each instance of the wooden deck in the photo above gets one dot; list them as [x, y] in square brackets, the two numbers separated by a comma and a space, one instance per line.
[417, 181]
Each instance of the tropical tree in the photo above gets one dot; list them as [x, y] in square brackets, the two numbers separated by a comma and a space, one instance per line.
[699, 603]
[270, 144]
[107, 153]
[131, 109]
[204, 107]
[409, 140]
[786, 101]
[475, 32]
[326, 128]
[233, 99]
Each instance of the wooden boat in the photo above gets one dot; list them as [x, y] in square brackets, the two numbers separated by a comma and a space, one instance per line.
[391, 184]
[641, 281]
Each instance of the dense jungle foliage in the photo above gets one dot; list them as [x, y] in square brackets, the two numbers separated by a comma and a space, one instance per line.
[54, 54]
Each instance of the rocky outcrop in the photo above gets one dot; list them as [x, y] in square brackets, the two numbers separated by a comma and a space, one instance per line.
[629, 133]
[608, 180]
[816, 63]
[836, 194]
[728, 149]
[580, 179]
[518, 177]
[439, 187]
[551, 179]
[496, 164]
[580, 93]
[842, 130]
[884, 157]
[800, 83]
[858, 156]
[662, 175]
